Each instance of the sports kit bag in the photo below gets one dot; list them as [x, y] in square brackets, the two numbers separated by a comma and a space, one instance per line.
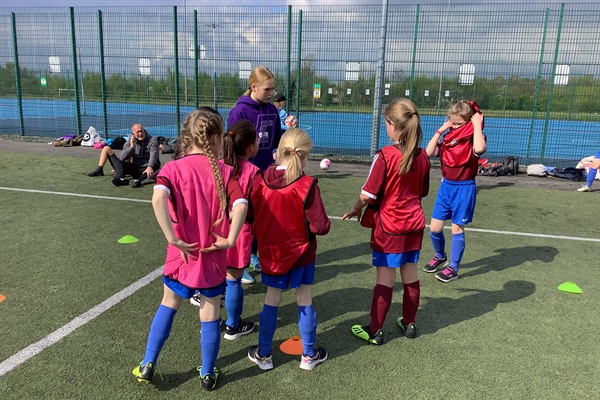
[512, 164]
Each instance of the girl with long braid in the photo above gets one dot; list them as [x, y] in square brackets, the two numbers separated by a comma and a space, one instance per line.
[190, 201]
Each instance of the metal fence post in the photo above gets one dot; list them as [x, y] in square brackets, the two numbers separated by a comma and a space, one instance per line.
[196, 80]
[102, 73]
[17, 73]
[551, 88]
[299, 64]
[379, 82]
[537, 86]
[288, 75]
[414, 53]
[75, 71]
[176, 72]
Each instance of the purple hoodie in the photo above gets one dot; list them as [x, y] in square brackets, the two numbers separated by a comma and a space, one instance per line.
[265, 118]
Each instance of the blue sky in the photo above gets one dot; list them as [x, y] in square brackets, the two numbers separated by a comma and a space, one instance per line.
[239, 38]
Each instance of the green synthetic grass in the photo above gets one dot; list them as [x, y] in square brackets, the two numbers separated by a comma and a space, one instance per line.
[502, 331]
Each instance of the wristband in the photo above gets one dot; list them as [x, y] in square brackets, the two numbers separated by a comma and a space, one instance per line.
[438, 132]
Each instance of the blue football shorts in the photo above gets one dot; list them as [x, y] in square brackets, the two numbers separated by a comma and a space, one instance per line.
[186, 292]
[395, 260]
[293, 279]
[456, 201]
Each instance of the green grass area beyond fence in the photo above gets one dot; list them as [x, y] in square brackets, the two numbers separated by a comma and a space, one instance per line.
[501, 331]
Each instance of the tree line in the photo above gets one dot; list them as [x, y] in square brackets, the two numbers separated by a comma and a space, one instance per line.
[581, 96]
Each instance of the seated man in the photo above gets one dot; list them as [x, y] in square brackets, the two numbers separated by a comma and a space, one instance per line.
[139, 158]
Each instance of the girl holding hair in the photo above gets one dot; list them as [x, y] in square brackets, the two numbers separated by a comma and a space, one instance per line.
[398, 179]
[191, 207]
[288, 213]
[459, 150]
[255, 106]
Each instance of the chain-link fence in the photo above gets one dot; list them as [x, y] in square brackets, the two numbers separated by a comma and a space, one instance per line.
[534, 69]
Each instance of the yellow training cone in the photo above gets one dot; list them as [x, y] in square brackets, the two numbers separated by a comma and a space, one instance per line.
[127, 239]
[570, 287]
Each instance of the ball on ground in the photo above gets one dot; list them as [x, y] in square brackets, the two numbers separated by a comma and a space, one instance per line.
[291, 121]
[325, 164]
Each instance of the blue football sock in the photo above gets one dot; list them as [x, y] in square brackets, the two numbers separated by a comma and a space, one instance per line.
[590, 177]
[234, 302]
[439, 243]
[210, 341]
[307, 322]
[458, 248]
[159, 332]
[266, 330]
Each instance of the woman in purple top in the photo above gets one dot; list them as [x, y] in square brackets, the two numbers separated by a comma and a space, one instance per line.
[255, 106]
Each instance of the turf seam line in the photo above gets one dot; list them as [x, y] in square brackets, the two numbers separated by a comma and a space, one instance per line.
[539, 235]
[77, 322]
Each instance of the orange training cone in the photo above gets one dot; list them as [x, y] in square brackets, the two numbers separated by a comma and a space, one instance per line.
[292, 346]
[2, 298]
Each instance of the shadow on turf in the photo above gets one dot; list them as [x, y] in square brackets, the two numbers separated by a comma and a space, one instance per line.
[331, 175]
[441, 312]
[508, 258]
[330, 305]
[344, 253]
[498, 185]
[173, 381]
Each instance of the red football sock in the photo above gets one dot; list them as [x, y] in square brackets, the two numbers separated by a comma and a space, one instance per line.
[410, 302]
[382, 299]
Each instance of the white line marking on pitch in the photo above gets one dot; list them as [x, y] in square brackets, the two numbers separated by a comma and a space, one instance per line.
[37, 347]
[539, 235]
[91, 196]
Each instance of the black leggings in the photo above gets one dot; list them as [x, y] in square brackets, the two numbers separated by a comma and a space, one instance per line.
[126, 168]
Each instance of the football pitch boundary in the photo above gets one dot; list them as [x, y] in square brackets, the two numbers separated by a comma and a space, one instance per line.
[35, 348]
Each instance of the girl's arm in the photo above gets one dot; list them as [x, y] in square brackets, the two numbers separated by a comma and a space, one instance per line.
[161, 211]
[238, 215]
[239, 207]
[479, 145]
[356, 211]
[318, 221]
[433, 143]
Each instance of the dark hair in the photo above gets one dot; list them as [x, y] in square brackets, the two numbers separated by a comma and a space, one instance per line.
[238, 138]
